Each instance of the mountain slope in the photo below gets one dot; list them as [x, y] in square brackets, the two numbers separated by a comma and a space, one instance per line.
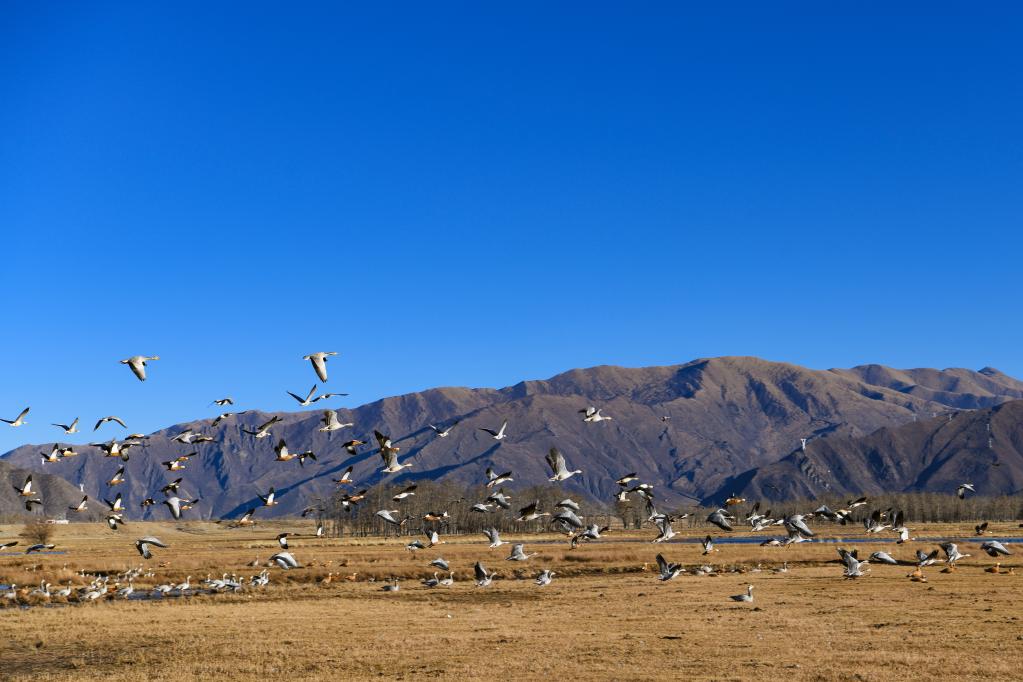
[56, 493]
[727, 416]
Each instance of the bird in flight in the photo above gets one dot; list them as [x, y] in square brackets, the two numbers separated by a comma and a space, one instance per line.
[331, 422]
[137, 363]
[143, 545]
[263, 431]
[69, 428]
[311, 397]
[111, 418]
[19, 420]
[557, 463]
[319, 363]
[443, 433]
[499, 434]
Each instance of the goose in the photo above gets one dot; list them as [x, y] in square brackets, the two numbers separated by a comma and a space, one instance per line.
[285, 560]
[245, 520]
[68, 451]
[115, 449]
[450, 580]
[171, 487]
[853, 504]
[593, 416]
[853, 566]
[331, 422]
[352, 445]
[26, 489]
[178, 505]
[263, 430]
[81, 506]
[414, 545]
[899, 526]
[664, 527]
[997, 568]
[309, 399]
[748, 597]
[221, 417]
[568, 503]
[174, 464]
[137, 364]
[435, 516]
[480, 507]
[497, 479]
[111, 418]
[431, 582]
[952, 553]
[353, 498]
[319, 363]
[557, 463]
[567, 517]
[269, 500]
[875, 522]
[64, 592]
[388, 516]
[784, 568]
[282, 454]
[627, 479]
[114, 519]
[223, 401]
[391, 586]
[19, 420]
[434, 538]
[346, 477]
[840, 517]
[303, 456]
[622, 496]
[148, 502]
[500, 499]
[31, 549]
[796, 523]
[282, 540]
[118, 478]
[483, 577]
[143, 545]
[531, 512]
[440, 563]
[51, 457]
[708, 545]
[721, 518]
[494, 537]
[667, 570]
[35, 501]
[185, 586]
[734, 500]
[963, 489]
[407, 492]
[68, 428]
[5, 545]
[994, 548]
[884, 558]
[925, 559]
[593, 532]
[442, 433]
[517, 553]
[980, 528]
[391, 464]
[545, 577]
[499, 434]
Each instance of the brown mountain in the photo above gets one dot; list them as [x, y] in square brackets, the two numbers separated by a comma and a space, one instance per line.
[982, 447]
[727, 416]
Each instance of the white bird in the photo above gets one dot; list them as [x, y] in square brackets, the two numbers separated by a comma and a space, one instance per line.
[52, 456]
[721, 518]
[310, 399]
[884, 558]
[176, 505]
[667, 570]
[960, 491]
[263, 430]
[19, 420]
[994, 548]
[483, 577]
[517, 553]
[952, 553]
[137, 363]
[748, 597]
[26, 490]
[499, 434]
[111, 418]
[666, 531]
[391, 465]
[854, 568]
[443, 433]
[268, 499]
[593, 415]
[285, 560]
[545, 577]
[143, 545]
[69, 428]
[497, 479]
[331, 422]
[557, 463]
[388, 516]
[319, 362]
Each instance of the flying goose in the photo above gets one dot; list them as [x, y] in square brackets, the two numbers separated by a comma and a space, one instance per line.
[593, 415]
[443, 433]
[497, 479]
[137, 363]
[178, 505]
[667, 570]
[69, 428]
[5, 545]
[494, 537]
[794, 523]
[118, 478]
[483, 578]
[497, 435]
[143, 545]
[666, 531]
[111, 418]
[994, 548]
[517, 553]
[282, 454]
[245, 520]
[410, 490]
[223, 401]
[435, 516]
[721, 518]
[81, 506]
[557, 463]
[980, 528]
[52, 456]
[268, 499]
[531, 512]
[263, 430]
[221, 417]
[303, 456]
[875, 522]
[960, 491]
[174, 464]
[319, 363]
[748, 597]
[310, 399]
[388, 516]
[285, 560]
[884, 558]
[390, 457]
[434, 538]
[171, 487]
[568, 503]
[853, 566]
[627, 479]
[350, 446]
[31, 549]
[952, 553]
[26, 490]
[545, 577]
[19, 420]
[500, 499]
[899, 526]
[708, 545]
[346, 477]
[925, 559]
[331, 422]
[852, 504]
[481, 507]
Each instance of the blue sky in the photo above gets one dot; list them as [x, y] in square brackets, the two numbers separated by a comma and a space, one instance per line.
[462, 195]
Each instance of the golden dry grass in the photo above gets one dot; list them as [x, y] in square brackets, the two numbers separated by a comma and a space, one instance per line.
[605, 616]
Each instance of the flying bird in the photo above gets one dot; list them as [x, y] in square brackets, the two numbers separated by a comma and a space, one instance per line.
[352, 445]
[137, 363]
[442, 433]
[963, 488]
[111, 418]
[19, 420]
[319, 363]
[222, 402]
[69, 428]
[143, 545]
[263, 430]
[497, 479]
[331, 422]
[667, 570]
[557, 463]
[499, 434]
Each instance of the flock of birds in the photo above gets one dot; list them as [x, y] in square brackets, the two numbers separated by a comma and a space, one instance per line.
[565, 516]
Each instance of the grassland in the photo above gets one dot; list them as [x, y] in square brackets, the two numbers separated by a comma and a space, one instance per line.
[606, 616]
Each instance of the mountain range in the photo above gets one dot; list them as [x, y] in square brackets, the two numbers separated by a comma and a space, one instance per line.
[697, 431]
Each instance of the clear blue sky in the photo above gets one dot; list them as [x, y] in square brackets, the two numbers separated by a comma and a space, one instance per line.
[451, 194]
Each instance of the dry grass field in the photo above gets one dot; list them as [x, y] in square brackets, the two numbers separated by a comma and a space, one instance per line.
[606, 616]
